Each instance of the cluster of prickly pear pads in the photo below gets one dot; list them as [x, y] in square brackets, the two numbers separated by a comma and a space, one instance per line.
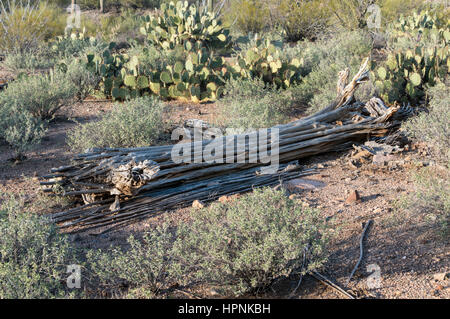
[263, 61]
[405, 72]
[202, 75]
[182, 22]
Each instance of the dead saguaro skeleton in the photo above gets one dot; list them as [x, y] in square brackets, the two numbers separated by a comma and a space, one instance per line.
[123, 185]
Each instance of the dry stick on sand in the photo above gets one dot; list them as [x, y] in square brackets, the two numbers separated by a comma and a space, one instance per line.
[361, 250]
[147, 180]
[328, 282]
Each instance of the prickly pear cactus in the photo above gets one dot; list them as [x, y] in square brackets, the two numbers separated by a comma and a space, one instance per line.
[263, 61]
[181, 23]
[422, 61]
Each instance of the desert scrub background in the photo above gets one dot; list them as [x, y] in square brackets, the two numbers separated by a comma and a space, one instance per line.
[245, 245]
[135, 123]
[33, 255]
[252, 104]
[25, 24]
[432, 125]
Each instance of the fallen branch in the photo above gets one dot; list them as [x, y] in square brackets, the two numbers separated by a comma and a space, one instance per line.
[361, 250]
[331, 284]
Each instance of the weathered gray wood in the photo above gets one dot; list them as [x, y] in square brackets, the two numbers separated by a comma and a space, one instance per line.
[102, 176]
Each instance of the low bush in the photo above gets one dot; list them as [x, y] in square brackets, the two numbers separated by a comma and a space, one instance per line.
[303, 19]
[40, 95]
[251, 104]
[29, 62]
[83, 80]
[430, 201]
[33, 256]
[135, 123]
[248, 15]
[20, 128]
[142, 267]
[245, 245]
[433, 126]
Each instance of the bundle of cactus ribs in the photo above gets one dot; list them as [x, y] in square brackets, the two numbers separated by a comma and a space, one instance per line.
[119, 186]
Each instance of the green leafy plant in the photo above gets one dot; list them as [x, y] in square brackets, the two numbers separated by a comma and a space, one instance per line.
[33, 255]
[20, 128]
[135, 123]
[303, 19]
[322, 62]
[245, 245]
[432, 126]
[143, 267]
[83, 80]
[41, 95]
[29, 62]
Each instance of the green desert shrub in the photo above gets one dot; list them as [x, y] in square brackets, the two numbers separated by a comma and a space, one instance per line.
[29, 62]
[83, 80]
[41, 95]
[142, 266]
[135, 123]
[433, 126]
[247, 244]
[303, 19]
[250, 103]
[20, 128]
[33, 255]
[248, 15]
[430, 201]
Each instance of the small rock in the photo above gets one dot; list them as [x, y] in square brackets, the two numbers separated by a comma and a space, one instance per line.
[380, 159]
[353, 197]
[224, 199]
[198, 204]
[440, 276]
[377, 210]
[302, 184]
